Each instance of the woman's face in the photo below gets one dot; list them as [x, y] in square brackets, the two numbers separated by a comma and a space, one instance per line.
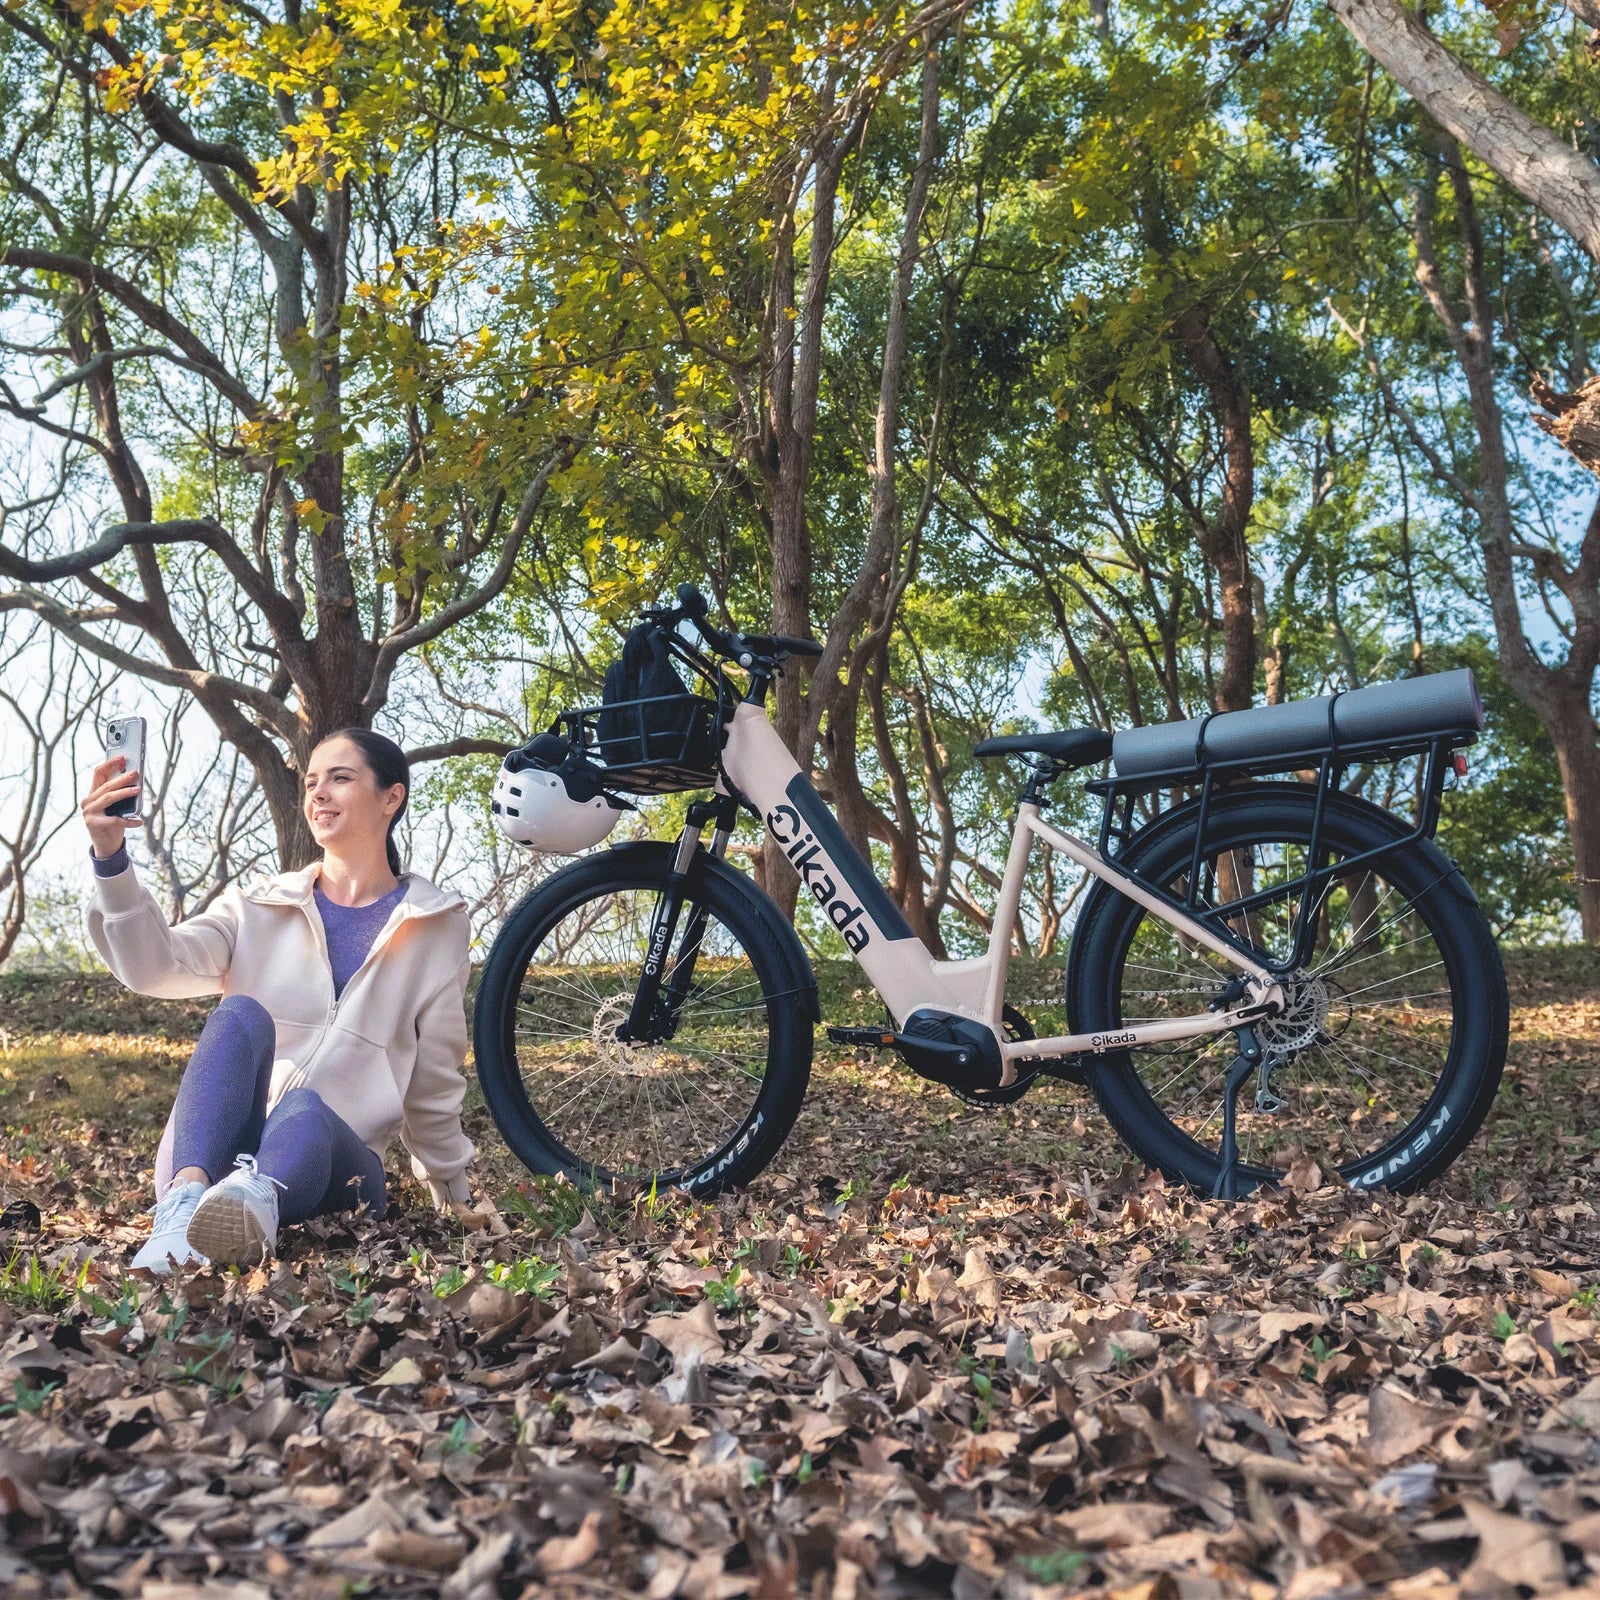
[346, 809]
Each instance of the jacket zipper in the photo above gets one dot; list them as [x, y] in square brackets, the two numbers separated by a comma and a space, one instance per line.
[307, 905]
[320, 936]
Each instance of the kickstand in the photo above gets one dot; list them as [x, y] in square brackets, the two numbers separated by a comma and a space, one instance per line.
[1249, 1056]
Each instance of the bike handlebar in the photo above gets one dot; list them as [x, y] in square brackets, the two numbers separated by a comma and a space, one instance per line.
[744, 648]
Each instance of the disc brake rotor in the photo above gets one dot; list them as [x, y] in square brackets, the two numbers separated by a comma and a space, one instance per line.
[1303, 1020]
[623, 1057]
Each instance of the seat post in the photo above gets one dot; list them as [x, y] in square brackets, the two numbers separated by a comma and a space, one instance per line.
[1040, 774]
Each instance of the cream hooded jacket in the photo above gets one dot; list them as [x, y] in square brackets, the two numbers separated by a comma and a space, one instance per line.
[386, 1055]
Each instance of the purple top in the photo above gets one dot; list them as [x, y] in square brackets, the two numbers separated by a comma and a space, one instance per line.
[351, 929]
[112, 864]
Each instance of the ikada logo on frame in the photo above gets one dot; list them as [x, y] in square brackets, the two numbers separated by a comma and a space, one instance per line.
[800, 845]
[1100, 1042]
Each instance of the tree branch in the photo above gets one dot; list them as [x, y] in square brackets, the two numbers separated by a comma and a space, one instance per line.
[198, 680]
[447, 616]
[200, 530]
[92, 275]
[1531, 157]
[1397, 408]
[103, 359]
[463, 746]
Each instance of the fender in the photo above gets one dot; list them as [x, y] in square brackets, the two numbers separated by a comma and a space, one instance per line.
[785, 942]
[1154, 832]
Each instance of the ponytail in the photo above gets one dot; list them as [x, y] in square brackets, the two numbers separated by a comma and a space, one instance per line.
[388, 765]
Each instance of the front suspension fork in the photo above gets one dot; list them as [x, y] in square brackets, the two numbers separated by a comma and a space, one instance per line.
[649, 1021]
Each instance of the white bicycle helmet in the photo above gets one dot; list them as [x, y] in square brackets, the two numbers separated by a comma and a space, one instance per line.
[547, 798]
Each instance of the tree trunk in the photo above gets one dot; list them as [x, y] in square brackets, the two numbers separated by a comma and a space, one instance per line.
[1223, 536]
[1568, 719]
[1559, 695]
[15, 888]
[280, 785]
[908, 882]
[798, 718]
[786, 462]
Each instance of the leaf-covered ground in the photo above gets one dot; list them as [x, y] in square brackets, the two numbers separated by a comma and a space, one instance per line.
[932, 1352]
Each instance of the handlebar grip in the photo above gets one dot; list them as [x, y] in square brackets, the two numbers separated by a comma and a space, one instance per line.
[769, 644]
[796, 647]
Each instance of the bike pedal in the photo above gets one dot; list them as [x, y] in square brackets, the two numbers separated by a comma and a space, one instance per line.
[864, 1038]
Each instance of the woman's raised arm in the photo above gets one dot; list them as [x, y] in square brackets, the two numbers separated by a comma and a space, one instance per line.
[130, 930]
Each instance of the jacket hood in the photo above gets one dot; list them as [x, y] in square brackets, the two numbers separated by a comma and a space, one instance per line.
[423, 899]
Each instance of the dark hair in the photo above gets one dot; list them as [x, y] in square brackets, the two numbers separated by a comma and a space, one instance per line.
[388, 765]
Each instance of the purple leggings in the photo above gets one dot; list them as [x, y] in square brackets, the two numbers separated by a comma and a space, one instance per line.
[221, 1112]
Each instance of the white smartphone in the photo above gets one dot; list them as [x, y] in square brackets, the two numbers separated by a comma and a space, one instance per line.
[125, 737]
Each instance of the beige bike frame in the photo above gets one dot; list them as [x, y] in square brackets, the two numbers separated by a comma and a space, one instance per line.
[902, 968]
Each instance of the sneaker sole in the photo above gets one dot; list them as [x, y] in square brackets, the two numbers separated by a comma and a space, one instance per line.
[225, 1229]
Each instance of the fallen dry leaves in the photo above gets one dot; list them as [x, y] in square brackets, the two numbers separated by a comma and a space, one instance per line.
[1035, 1385]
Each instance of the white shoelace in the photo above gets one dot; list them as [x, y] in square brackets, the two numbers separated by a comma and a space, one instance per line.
[260, 1180]
[165, 1208]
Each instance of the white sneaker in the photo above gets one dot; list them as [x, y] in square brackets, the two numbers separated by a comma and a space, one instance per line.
[168, 1244]
[236, 1221]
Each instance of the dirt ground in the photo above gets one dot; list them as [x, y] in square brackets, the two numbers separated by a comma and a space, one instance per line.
[933, 1351]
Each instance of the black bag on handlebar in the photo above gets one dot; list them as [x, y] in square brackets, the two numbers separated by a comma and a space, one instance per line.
[646, 711]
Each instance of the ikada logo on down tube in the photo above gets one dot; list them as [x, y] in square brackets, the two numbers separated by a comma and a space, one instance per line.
[800, 845]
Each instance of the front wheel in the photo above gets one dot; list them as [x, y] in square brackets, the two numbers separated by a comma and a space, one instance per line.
[1387, 1056]
[704, 1102]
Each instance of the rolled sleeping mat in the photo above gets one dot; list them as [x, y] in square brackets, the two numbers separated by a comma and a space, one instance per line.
[1438, 702]
[1411, 709]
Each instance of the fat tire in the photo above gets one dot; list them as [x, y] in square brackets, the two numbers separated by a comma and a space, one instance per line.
[1471, 1072]
[787, 985]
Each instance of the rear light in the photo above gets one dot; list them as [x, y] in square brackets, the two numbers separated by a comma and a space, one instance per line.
[1459, 762]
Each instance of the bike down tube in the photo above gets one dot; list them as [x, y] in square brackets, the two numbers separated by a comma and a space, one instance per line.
[831, 869]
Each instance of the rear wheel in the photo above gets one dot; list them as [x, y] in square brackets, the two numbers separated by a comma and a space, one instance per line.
[1386, 1058]
[704, 1105]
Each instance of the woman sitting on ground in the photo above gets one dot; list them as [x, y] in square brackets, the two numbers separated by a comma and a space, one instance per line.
[341, 1025]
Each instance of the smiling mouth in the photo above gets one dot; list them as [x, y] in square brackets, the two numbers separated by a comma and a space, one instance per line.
[324, 816]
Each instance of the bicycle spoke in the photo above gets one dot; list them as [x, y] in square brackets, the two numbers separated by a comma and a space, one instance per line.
[1345, 1090]
[670, 1098]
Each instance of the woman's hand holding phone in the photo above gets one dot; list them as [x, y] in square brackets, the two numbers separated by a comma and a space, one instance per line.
[109, 784]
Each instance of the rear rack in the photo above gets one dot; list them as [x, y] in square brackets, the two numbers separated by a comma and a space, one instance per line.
[1118, 825]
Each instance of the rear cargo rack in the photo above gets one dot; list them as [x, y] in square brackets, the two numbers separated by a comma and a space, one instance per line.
[1120, 796]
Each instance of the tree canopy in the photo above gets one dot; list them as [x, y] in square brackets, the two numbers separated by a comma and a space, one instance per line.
[1044, 361]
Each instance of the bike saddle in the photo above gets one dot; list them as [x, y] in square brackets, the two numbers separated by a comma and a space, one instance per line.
[1069, 747]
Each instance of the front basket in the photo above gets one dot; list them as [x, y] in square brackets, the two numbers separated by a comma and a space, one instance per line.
[658, 745]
